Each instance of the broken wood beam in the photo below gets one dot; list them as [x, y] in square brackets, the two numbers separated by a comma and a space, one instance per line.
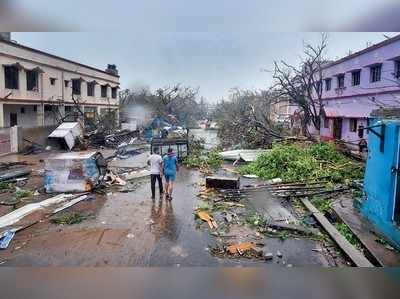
[314, 193]
[355, 255]
[222, 183]
[295, 228]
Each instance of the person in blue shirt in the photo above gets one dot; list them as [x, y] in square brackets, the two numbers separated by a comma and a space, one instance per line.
[170, 164]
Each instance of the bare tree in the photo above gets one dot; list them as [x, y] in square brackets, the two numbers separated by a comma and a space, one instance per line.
[302, 84]
[176, 100]
[246, 119]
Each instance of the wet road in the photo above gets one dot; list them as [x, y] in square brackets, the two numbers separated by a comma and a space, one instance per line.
[130, 229]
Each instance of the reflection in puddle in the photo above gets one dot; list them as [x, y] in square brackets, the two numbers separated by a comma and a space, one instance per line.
[163, 218]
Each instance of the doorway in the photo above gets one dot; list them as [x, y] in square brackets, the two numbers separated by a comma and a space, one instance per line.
[13, 119]
[337, 128]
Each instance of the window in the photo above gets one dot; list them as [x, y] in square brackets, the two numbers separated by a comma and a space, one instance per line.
[53, 81]
[340, 81]
[356, 78]
[35, 108]
[32, 80]
[353, 124]
[22, 110]
[326, 122]
[76, 86]
[90, 89]
[328, 84]
[114, 92]
[376, 72]
[104, 91]
[11, 77]
[397, 69]
[66, 83]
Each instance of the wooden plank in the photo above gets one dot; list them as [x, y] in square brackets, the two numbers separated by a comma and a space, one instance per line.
[356, 256]
[364, 230]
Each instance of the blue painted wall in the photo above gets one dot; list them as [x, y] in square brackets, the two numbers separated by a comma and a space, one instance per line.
[379, 181]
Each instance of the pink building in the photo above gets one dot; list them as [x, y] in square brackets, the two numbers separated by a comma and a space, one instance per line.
[357, 84]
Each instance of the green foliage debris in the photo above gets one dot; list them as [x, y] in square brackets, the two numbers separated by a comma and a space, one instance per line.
[348, 234]
[4, 187]
[71, 218]
[283, 235]
[21, 193]
[256, 220]
[293, 162]
[322, 204]
[201, 158]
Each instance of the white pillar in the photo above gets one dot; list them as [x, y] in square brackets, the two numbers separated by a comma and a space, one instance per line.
[40, 115]
[2, 116]
[16, 140]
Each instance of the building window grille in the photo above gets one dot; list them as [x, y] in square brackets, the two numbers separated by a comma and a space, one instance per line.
[328, 84]
[376, 72]
[32, 80]
[11, 77]
[340, 81]
[356, 78]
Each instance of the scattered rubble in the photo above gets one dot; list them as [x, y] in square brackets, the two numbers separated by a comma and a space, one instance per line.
[16, 215]
[5, 238]
[207, 218]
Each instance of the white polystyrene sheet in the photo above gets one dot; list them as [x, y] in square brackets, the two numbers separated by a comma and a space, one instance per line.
[246, 155]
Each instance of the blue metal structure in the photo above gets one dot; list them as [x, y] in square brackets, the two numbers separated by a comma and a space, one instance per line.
[381, 182]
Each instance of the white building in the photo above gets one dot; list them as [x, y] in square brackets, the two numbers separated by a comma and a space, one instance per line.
[36, 87]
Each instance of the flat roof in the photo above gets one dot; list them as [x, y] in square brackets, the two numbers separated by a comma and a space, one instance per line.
[366, 50]
[15, 44]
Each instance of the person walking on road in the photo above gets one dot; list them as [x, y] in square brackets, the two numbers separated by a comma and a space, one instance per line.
[155, 161]
[170, 165]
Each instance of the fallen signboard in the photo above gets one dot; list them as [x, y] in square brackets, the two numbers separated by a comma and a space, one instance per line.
[74, 172]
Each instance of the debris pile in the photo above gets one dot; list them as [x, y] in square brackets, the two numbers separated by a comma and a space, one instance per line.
[15, 221]
[205, 162]
[300, 162]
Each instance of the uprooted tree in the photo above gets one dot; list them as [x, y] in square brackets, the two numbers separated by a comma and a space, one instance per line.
[302, 84]
[245, 119]
[106, 122]
[176, 100]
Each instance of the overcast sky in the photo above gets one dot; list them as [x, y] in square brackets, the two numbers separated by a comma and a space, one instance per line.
[213, 44]
[215, 62]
